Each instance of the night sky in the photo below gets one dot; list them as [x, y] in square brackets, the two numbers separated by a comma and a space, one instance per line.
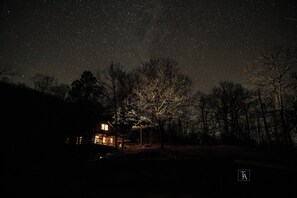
[212, 40]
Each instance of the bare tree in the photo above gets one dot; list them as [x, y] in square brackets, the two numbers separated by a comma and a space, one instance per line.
[113, 82]
[202, 106]
[161, 92]
[43, 83]
[271, 75]
[228, 101]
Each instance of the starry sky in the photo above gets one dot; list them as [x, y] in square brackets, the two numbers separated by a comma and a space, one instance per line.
[212, 40]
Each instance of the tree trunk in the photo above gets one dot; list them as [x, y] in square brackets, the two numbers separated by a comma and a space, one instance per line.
[235, 133]
[264, 119]
[286, 131]
[140, 136]
[180, 131]
[115, 115]
[260, 140]
[276, 135]
[203, 121]
[283, 119]
[123, 141]
[151, 136]
[161, 134]
[246, 109]
[226, 127]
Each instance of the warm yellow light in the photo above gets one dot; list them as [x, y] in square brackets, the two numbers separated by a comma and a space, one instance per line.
[79, 140]
[104, 140]
[111, 140]
[96, 141]
[104, 127]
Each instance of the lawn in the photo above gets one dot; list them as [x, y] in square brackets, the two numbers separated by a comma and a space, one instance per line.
[176, 171]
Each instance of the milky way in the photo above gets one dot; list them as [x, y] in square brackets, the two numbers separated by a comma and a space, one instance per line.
[211, 40]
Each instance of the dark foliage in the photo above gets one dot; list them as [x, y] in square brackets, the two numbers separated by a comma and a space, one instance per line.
[35, 124]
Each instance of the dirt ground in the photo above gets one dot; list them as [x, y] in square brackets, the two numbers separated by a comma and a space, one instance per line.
[176, 171]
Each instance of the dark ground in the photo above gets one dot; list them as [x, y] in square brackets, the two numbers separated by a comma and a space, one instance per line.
[197, 171]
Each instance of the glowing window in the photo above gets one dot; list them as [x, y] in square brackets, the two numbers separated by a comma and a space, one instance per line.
[104, 140]
[111, 140]
[96, 141]
[104, 127]
[79, 140]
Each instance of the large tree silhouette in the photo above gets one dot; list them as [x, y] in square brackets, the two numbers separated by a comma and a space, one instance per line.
[271, 76]
[161, 92]
[86, 89]
[113, 83]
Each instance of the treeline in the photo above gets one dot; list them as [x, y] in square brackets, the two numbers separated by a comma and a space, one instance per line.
[34, 120]
[262, 110]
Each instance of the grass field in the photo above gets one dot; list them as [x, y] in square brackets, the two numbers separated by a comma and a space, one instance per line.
[176, 171]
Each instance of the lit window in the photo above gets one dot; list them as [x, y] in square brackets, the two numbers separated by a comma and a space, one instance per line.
[104, 140]
[104, 127]
[78, 140]
[96, 141]
[111, 140]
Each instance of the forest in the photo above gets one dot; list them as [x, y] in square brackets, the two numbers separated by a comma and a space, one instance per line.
[262, 111]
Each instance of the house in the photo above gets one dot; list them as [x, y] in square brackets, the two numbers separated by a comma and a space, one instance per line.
[102, 134]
